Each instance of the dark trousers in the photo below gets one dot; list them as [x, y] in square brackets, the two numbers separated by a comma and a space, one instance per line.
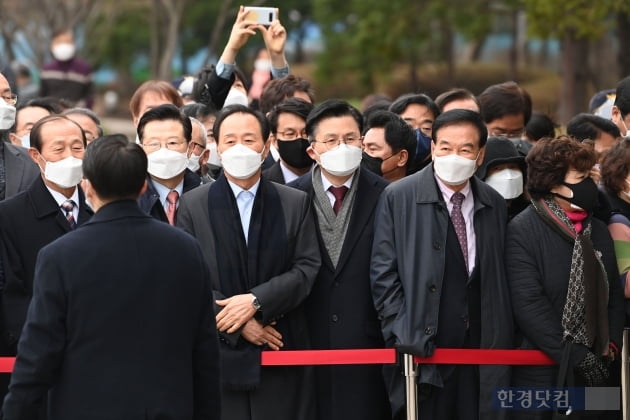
[457, 400]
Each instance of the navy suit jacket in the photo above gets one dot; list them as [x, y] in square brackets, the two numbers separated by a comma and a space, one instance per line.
[28, 222]
[125, 332]
[150, 201]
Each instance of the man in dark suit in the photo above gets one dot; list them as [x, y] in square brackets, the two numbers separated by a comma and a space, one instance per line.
[340, 310]
[36, 217]
[127, 332]
[437, 272]
[165, 135]
[287, 122]
[39, 215]
[259, 240]
[19, 169]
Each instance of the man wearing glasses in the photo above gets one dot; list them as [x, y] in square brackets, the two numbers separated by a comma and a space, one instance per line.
[165, 135]
[340, 312]
[17, 169]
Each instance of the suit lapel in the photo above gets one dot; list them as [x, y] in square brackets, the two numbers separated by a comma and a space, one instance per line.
[364, 204]
[44, 205]
[14, 168]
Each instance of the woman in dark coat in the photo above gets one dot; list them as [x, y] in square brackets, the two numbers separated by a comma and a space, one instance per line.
[563, 276]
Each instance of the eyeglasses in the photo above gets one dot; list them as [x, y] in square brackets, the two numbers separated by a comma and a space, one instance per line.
[291, 134]
[332, 142]
[156, 145]
[9, 98]
[197, 145]
[509, 134]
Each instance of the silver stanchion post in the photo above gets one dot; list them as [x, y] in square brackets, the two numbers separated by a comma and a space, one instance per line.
[410, 382]
[625, 375]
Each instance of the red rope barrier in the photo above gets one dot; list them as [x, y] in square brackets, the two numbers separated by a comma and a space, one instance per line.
[384, 356]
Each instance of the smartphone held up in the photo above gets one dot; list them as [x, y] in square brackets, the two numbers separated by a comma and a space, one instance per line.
[261, 15]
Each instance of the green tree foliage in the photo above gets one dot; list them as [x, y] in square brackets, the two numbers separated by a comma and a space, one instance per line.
[370, 39]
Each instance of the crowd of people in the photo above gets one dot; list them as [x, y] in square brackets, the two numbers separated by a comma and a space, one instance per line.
[462, 221]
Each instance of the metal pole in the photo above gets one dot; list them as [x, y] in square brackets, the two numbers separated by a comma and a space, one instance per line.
[410, 382]
[625, 375]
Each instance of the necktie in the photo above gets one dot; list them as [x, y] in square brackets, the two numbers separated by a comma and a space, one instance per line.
[339, 193]
[172, 206]
[67, 206]
[459, 224]
[245, 201]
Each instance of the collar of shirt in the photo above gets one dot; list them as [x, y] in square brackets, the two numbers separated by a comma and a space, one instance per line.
[327, 184]
[447, 193]
[163, 191]
[236, 189]
[60, 199]
[288, 175]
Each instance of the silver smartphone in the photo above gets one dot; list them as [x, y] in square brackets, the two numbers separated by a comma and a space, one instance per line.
[261, 15]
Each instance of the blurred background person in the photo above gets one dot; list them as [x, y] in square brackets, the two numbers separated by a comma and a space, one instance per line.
[67, 76]
[458, 98]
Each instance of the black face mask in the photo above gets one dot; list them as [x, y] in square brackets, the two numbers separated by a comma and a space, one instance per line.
[372, 164]
[584, 194]
[293, 152]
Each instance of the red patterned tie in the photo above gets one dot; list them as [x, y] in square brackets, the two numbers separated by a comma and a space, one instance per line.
[339, 193]
[67, 206]
[172, 206]
[460, 224]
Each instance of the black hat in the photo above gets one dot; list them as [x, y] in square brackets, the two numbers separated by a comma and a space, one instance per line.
[500, 150]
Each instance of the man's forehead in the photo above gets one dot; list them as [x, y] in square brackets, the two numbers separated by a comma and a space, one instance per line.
[4, 84]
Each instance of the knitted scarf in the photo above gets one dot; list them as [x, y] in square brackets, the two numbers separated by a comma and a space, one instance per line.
[585, 313]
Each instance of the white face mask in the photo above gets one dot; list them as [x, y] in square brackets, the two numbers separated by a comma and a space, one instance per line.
[63, 52]
[627, 193]
[507, 182]
[240, 161]
[236, 97]
[214, 158]
[7, 115]
[626, 127]
[342, 160]
[26, 140]
[262, 64]
[454, 169]
[66, 173]
[166, 164]
[193, 163]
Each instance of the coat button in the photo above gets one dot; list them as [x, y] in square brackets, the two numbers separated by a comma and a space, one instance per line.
[334, 318]
[432, 288]
[429, 330]
[437, 245]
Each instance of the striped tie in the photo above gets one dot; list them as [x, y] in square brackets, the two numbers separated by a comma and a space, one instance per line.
[67, 206]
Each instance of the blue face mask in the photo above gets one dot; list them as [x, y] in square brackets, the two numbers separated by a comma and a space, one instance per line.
[423, 145]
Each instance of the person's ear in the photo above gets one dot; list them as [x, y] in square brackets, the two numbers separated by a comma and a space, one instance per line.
[15, 140]
[403, 157]
[205, 156]
[144, 188]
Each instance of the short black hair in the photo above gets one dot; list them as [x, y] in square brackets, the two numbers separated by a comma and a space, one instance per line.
[36, 131]
[457, 94]
[198, 110]
[242, 109]
[163, 113]
[402, 102]
[329, 109]
[585, 126]
[295, 106]
[461, 116]
[116, 167]
[622, 98]
[503, 99]
[540, 125]
[88, 113]
[39, 103]
[398, 134]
